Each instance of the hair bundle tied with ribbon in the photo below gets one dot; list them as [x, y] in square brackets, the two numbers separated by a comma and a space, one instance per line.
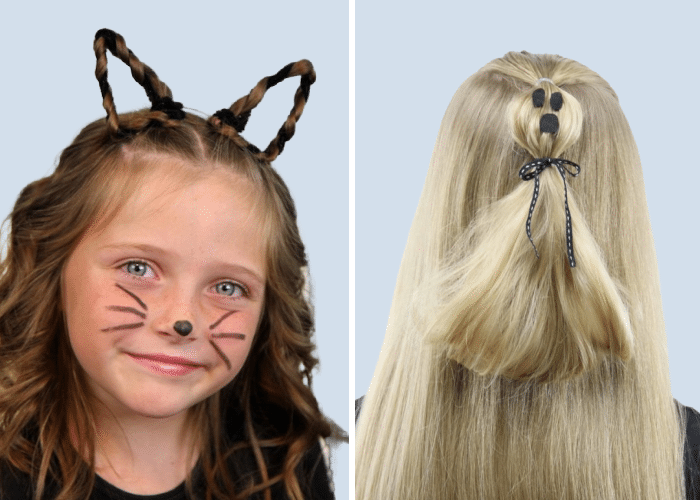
[497, 294]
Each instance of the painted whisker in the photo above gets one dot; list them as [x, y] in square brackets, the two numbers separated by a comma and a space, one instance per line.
[239, 336]
[221, 353]
[133, 295]
[218, 321]
[127, 309]
[127, 326]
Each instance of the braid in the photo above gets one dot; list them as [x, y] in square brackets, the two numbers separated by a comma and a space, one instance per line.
[231, 121]
[158, 92]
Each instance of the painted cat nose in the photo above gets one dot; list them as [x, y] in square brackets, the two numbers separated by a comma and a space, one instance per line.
[183, 327]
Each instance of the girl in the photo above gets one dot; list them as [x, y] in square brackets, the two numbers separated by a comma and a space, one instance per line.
[155, 336]
[525, 352]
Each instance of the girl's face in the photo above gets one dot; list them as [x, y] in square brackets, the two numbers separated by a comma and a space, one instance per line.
[178, 251]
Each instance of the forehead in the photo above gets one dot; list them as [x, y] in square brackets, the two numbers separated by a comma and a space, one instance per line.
[170, 184]
[205, 211]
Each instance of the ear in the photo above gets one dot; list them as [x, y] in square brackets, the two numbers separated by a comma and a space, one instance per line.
[158, 92]
[233, 120]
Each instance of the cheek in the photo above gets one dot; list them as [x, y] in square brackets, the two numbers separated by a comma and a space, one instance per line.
[237, 352]
[82, 313]
[83, 303]
[237, 349]
[88, 346]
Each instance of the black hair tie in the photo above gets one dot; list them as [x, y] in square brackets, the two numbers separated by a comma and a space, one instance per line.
[238, 122]
[172, 108]
[532, 170]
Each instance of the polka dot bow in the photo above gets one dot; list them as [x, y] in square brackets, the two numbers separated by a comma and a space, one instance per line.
[533, 170]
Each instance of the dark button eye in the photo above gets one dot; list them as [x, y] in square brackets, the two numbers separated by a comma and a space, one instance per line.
[538, 98]
[556, 101]
[549, 124]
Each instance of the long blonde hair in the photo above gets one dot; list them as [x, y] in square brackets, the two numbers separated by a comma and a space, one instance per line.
[508, 375]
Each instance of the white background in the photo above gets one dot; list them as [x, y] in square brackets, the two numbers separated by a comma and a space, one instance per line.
[210, 54]
[411, 58]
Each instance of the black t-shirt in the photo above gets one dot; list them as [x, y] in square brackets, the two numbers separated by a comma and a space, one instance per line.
[691, 457]
[312, 474]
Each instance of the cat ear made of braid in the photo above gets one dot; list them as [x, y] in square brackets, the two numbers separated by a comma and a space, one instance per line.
[163, 109]
[232, 121]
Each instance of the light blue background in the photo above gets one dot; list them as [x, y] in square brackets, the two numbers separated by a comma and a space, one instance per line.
[410, 59]
[210, 54]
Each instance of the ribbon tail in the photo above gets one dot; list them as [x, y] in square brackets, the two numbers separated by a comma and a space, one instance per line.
[528, 223]
[569, 231]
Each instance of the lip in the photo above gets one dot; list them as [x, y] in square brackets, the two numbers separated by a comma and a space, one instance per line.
[166, 365]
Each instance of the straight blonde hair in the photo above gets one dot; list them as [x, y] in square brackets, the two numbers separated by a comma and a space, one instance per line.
[507, 375]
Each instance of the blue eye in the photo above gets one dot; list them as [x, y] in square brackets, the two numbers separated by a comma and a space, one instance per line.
[230, 288]
[136, 268]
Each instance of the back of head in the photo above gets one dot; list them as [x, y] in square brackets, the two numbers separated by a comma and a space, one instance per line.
[526, 331]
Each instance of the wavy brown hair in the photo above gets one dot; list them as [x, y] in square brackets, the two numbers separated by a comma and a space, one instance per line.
[43, 395]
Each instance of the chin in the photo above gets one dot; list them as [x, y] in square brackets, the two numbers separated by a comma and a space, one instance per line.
[149, 398]
[142, 393]
[159, 404]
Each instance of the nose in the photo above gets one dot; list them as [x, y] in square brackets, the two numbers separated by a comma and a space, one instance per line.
[177, 317]
[179, 330]
[183, 327]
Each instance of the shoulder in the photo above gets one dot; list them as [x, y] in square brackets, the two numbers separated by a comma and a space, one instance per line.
[691, 452]
[692, 426]
[14, 485]
[270, 422]
[358, 407]
[314, 473]
[319, 460]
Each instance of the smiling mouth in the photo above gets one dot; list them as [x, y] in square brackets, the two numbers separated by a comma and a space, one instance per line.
[166, 365]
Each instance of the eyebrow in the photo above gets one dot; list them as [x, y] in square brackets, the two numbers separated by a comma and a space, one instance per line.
[146, 248]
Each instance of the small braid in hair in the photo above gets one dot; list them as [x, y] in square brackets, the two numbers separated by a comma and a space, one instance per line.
[158, 92]
[231, 121]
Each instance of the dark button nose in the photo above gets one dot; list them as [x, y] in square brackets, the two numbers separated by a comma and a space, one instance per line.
[184, 328]
[549, 124]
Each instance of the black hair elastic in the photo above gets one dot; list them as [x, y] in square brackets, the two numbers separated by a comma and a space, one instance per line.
[532, 170]
[238, 122]
[184, 328]
[172, 108]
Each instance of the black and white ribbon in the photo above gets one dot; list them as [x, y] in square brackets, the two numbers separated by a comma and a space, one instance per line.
[533, 170]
